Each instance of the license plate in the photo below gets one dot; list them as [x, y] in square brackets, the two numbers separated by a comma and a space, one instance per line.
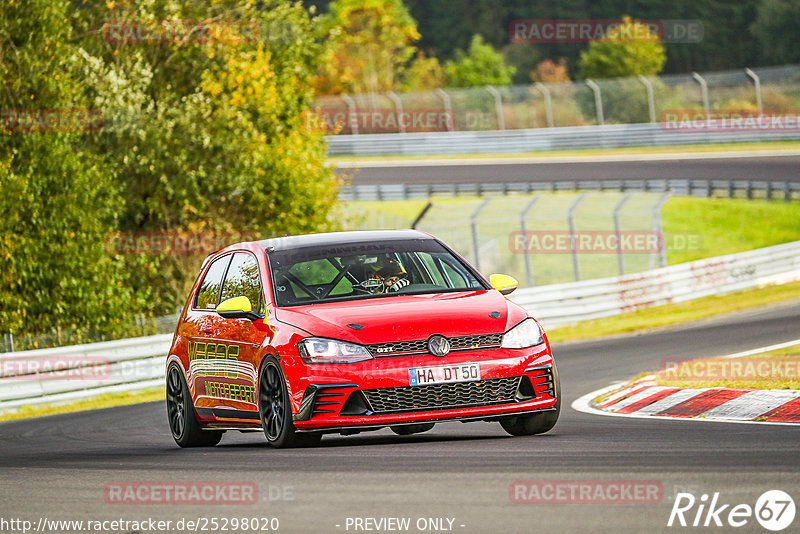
[443, 374]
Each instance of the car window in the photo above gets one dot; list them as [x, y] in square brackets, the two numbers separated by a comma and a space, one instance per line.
[243, 280]
[346, 272]
[208, 294]
[456, 275]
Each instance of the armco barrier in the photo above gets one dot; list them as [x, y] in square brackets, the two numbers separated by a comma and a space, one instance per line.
[763, 189]
[76, 372]
[536, 139]
[562, 304]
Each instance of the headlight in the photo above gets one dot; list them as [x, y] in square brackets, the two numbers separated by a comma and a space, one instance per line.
[321, 350]
[525, 334]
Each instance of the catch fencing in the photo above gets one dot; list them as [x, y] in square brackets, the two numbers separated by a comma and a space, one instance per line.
[669, 110]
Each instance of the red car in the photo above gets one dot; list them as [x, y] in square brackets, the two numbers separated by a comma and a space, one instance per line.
[353, 331]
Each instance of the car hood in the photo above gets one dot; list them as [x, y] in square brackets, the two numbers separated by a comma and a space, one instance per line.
[406, 317]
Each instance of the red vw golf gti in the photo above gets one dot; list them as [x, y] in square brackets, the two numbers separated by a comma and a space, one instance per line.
[353, 331]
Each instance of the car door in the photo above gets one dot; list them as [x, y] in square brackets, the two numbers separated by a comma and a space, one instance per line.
[202, 323]
[238, 340]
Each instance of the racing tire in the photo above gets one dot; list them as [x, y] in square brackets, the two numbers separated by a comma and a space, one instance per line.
[538, 423]
[407, 430]
[183, 425]
[275, 409]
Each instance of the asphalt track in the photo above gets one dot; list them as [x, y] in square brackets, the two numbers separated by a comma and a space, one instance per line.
[57, 467]
[778, 168]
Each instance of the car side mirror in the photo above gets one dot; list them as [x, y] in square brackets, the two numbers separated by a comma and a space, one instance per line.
[237, 308]
[503, 283]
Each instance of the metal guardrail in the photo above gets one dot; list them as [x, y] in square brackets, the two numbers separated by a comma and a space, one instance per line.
[562, 304]
[64, 374]
[700, 188]
[538, 139]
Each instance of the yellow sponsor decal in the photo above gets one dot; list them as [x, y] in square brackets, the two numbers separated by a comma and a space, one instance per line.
[215, 352]
[238, 392]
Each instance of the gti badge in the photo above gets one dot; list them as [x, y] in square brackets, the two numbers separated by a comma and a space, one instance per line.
[438, 345]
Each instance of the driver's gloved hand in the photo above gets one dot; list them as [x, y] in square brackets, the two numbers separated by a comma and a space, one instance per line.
[398, 284]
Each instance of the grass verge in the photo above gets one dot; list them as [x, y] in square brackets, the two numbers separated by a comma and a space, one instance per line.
[102, 401]
[671, 314]
[777, 369]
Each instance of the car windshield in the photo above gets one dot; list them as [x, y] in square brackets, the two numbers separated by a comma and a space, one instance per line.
[337, 272]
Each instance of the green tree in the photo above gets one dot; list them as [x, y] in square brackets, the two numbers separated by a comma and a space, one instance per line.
[370, 42]
[59, 200]
[212, 137]
[775, 28]
[630, 51]
[424, 73]
[481, 65]
[197, 136]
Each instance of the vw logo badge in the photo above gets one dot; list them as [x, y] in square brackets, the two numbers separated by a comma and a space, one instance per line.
[438, 345]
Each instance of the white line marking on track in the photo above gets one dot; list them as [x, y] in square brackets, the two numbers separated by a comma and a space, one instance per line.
[762, 349]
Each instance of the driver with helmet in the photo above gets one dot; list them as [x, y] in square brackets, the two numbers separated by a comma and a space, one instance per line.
[386, 276]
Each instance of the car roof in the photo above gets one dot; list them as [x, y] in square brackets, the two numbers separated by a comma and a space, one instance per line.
[339, 238]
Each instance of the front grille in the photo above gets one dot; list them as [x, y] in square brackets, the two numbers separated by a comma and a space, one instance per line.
[410, 347]
[420, 346]
[470, 342]
[443, 396]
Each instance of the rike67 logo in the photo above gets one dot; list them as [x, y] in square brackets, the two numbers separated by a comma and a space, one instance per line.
[774, 510]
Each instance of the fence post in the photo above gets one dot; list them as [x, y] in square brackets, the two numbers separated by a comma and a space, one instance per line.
[658, 227]
[9, 341]
[757, 84]
[398, 109]
[598, 101]
[352, 115]
[571, 222]
[473, 222]
[548, 102]
[421, 215]
[498, 107]
[524, 230]
[448, 108]
[651, 99]
[617, 232]
[704, 91]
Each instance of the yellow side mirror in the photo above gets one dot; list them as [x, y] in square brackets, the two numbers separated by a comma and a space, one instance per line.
[503, 283]
[237, 308]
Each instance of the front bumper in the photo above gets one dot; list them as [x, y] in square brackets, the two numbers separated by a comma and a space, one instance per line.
[377, 393]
